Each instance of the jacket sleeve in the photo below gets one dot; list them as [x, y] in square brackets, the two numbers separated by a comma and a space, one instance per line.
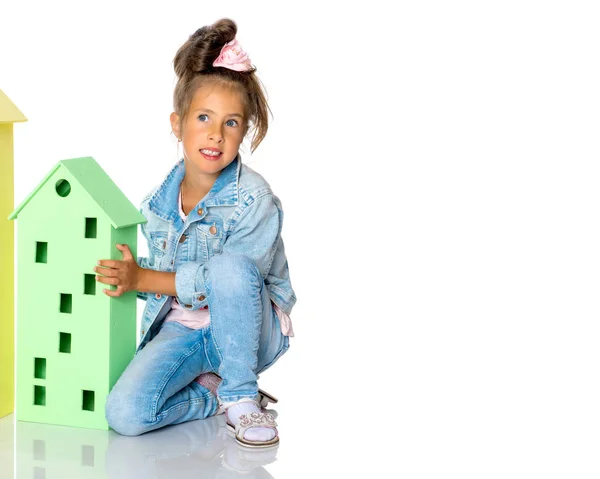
[145, 262]
[256, 235]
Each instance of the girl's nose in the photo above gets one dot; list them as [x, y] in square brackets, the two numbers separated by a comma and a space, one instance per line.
[216, 136]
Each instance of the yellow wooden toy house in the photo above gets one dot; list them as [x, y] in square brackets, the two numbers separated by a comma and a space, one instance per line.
[9, 114]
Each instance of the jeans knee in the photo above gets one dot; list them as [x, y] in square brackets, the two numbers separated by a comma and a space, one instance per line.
[234, 263]
[233, 271]
[123, 417]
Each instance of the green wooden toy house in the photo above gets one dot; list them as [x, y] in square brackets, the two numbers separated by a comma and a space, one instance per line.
[73, 341]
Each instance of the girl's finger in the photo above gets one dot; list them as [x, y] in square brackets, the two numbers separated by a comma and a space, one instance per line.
[107, 280]
[106, 271]
[113, 293]
[110, 263]
[126, 252]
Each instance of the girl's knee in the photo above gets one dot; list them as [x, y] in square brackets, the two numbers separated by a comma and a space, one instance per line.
[234, 269]
[124, 416]
[233, 262]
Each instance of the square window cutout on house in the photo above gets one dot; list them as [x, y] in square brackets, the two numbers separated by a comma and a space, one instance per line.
[41, 252]
[89, 284]
[91, 227]
[64, 343]
[66, 303]
[39, 368]
[39, 395]
[88, 400]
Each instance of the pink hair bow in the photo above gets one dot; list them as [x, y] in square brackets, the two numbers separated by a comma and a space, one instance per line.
[232, 56]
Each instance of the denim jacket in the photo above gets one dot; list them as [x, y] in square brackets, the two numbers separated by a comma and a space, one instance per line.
[240, 214]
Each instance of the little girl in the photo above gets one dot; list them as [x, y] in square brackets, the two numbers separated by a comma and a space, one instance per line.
[216, 278]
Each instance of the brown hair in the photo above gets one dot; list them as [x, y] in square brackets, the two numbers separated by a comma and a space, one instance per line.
[193, 67]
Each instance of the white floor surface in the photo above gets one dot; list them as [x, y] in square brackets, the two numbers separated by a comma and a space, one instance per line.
[195, 449]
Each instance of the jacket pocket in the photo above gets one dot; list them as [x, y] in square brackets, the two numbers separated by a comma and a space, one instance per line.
[210, 236]
[158, 246]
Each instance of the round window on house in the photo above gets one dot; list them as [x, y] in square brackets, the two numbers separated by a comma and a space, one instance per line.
[63, 188]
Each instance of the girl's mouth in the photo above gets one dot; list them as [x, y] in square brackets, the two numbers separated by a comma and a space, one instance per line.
[210, 157]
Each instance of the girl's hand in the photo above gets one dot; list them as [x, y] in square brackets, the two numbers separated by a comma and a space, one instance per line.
[124, 274]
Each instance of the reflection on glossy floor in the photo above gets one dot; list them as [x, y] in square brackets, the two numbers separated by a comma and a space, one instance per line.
[191, 450]
[6, 446]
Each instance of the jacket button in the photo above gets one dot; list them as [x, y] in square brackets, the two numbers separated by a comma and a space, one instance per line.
[213, 230]
[164, 244]
[182, 239]
[201, 297]
[157, 295]
[143, 331]
[188, 305]
[200, 211]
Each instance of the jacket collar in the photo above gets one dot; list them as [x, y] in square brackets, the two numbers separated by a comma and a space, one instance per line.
[224, 192]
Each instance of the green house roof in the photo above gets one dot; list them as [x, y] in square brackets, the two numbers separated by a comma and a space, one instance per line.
[9, 113]
[99, 186]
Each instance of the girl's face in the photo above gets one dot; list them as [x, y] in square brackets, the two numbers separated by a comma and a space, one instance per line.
[214, 122]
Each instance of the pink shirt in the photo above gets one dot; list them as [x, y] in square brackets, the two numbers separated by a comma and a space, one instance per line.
[200, 318]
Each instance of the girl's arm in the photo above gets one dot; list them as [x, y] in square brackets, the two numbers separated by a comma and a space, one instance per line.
[135, 274]
[150, 281]
[146, 263]
[142, 263]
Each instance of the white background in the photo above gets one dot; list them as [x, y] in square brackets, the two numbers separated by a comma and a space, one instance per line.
[438, 167]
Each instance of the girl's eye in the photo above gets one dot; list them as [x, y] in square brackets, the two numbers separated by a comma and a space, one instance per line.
[200, 118]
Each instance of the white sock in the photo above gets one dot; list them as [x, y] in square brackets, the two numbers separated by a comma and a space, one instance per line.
[254, 433]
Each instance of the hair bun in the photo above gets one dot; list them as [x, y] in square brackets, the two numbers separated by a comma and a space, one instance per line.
[203, 47]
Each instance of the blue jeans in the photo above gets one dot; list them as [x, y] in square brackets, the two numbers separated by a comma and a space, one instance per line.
[243, 339]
